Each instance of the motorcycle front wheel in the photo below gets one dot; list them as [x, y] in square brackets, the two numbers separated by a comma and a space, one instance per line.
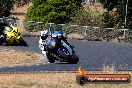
[64, 54]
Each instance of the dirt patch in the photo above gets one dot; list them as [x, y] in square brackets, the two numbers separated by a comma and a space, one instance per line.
[50, 80]
[75, 36]
[15, 57]
[95, 9]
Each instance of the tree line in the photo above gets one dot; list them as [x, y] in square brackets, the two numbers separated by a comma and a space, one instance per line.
[65, 11]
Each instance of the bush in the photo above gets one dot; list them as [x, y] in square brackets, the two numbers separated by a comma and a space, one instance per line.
[85, 18]
[55, 11]
[5, 7]
[120, 8]
[108, 20]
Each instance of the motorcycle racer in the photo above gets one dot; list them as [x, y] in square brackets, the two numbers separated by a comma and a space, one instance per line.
[54, 46]
[42, 41]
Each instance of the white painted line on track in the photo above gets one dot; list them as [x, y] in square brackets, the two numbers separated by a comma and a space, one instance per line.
[37, 64]
[11, 66]
[28, 65]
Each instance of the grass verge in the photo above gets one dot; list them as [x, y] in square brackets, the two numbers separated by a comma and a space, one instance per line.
[15, 57]
[51, 80]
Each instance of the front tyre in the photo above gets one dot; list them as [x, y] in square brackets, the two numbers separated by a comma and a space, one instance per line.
[65, 55]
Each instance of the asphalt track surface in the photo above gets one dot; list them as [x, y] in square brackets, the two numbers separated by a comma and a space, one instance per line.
[94, 55]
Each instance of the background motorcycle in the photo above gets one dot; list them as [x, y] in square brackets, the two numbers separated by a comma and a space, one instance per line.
[12, 36]
[60, 49]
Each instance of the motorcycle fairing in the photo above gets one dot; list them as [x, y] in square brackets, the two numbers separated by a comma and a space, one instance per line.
[67, 47]
[57, 33]
[12, 35]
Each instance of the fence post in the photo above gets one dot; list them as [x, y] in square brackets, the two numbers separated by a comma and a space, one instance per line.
[85, 33]
[50, 26]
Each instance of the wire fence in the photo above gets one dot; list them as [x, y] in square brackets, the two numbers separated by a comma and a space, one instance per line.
[88, 32]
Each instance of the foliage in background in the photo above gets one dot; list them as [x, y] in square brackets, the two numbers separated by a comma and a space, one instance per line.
[119, 9]
[5, 7]
[37, 2]
[21, 3]
[109, 4]
[55, 11]
[85, 18]
[108, 20]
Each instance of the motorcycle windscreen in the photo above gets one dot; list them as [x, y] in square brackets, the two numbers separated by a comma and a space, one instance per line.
[57, 34]
[67, 47]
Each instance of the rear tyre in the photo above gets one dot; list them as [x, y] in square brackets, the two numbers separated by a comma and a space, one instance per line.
[50, 58]
[23, 43]
[74, 59]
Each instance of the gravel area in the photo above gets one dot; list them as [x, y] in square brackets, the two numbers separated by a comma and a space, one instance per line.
[16, 57]
[50, 80]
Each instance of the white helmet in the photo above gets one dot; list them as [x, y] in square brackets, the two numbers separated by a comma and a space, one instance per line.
[44, 34]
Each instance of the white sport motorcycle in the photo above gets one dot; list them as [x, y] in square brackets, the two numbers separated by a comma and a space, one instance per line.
[56, 47]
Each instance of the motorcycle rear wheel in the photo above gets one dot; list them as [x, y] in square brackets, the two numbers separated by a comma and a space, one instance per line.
[50, 58]
[23, 43]
[74, 59]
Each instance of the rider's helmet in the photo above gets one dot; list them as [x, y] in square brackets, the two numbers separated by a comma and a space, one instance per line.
[44, 34]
